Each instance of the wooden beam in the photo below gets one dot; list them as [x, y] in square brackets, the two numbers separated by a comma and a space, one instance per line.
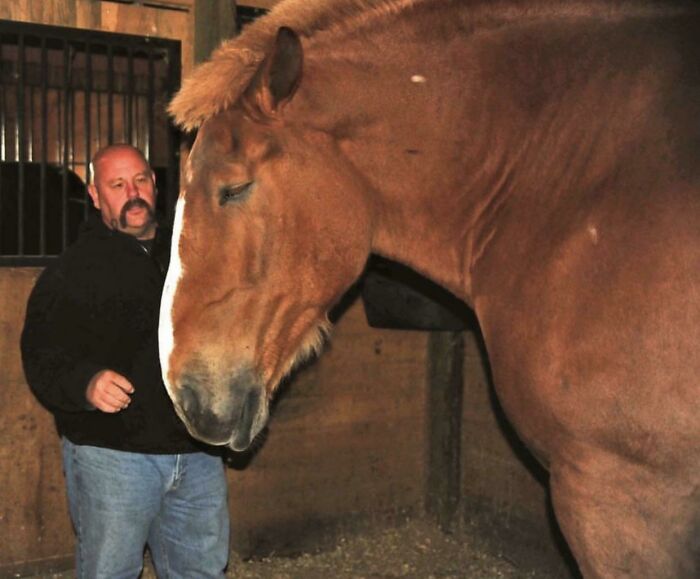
[444, 421]
[214, 21]
[184, 5]
[267, 4]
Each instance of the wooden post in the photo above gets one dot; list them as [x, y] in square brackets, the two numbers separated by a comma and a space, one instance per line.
[444, 421]
[214, 21]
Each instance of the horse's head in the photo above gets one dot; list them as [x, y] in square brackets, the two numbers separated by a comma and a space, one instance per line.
[269, 232]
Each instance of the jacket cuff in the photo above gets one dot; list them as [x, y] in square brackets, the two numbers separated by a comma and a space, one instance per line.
[76, 383]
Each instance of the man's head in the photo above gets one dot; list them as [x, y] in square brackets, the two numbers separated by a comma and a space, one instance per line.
[123, 189]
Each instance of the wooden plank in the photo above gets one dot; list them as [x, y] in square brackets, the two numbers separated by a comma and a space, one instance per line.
[267, 4]
[214, 21]
[88, 14]
[161, 4]
[56, 12]
[147, 21]
[444, 410]
[33, 516]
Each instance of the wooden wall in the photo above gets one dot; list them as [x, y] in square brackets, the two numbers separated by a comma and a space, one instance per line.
[347, 441]
[34, 526]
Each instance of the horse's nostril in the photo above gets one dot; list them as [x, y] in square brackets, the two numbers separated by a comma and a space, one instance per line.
[189, 401]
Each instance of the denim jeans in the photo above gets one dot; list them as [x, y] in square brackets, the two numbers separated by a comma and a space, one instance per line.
[120, 501]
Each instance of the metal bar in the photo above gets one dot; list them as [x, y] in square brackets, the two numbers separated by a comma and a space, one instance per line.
[67, 136]
[2, 139]
[88, 124]
[19, 144]
[3, 118]
[98, 120]
[130, 96]
[44, 69]
[59, 125]
[110, 96]
[30, 120]
[78, 35]
[150, 125]
[71, 104]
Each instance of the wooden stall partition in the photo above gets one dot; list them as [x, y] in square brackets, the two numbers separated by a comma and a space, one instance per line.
[34, 528]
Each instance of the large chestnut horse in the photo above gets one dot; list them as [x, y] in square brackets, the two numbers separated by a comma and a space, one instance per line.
[541, 160]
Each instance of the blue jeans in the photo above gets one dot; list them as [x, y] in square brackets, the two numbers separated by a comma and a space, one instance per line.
[120, 501]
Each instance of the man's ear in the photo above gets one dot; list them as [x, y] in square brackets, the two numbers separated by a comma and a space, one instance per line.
[279, 75]
[92, 190]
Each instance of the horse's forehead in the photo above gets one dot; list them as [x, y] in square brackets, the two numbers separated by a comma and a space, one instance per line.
[227, 133]
[235, 140]
[214, 141]
[218, 134]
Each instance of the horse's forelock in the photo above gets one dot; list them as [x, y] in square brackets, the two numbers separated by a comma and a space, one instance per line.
[214, 86]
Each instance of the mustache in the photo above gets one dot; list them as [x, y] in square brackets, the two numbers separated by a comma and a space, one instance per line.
[131, 204]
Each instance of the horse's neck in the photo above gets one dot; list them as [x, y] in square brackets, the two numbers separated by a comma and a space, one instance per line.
[460, 158]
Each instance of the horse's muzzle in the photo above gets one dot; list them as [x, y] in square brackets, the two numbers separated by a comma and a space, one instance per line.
[231, 415]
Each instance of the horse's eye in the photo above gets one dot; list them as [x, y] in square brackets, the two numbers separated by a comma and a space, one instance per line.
[229, 193]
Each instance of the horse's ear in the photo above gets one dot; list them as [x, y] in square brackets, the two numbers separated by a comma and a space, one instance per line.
[280, 74]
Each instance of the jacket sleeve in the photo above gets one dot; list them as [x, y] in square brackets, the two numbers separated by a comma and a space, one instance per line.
[54, 343]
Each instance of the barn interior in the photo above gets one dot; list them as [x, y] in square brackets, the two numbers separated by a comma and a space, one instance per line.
[398, 417]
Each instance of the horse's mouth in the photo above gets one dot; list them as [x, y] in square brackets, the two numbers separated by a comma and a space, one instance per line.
[231, 417]
[252, 419]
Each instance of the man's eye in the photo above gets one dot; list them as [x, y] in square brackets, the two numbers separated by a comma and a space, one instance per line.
[229, 193]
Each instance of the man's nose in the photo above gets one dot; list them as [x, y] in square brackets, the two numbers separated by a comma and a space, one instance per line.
[132, 191]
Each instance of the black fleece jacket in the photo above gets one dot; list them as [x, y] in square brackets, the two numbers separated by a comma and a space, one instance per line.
[96, 308]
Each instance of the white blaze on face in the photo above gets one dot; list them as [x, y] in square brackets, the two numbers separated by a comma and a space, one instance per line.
[166, 339]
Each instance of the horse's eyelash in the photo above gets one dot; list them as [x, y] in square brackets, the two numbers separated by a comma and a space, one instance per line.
[228, 193]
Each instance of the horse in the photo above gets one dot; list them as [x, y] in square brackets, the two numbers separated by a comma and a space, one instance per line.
[538, 159]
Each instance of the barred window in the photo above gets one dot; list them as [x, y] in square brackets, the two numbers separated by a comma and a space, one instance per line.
[64, 93]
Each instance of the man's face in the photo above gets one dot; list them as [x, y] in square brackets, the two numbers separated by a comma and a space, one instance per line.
[124, 191]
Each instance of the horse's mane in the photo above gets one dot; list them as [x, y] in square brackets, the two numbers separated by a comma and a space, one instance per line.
[218, 83]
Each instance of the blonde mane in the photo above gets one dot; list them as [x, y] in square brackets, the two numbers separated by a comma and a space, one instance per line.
[218, 83]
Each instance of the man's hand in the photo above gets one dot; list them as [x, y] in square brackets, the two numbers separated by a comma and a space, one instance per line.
[109, 391]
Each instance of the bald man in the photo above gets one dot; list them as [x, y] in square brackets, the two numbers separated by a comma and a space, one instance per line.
[134, 476]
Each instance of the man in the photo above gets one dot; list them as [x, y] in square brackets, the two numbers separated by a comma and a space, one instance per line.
[133, 474]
